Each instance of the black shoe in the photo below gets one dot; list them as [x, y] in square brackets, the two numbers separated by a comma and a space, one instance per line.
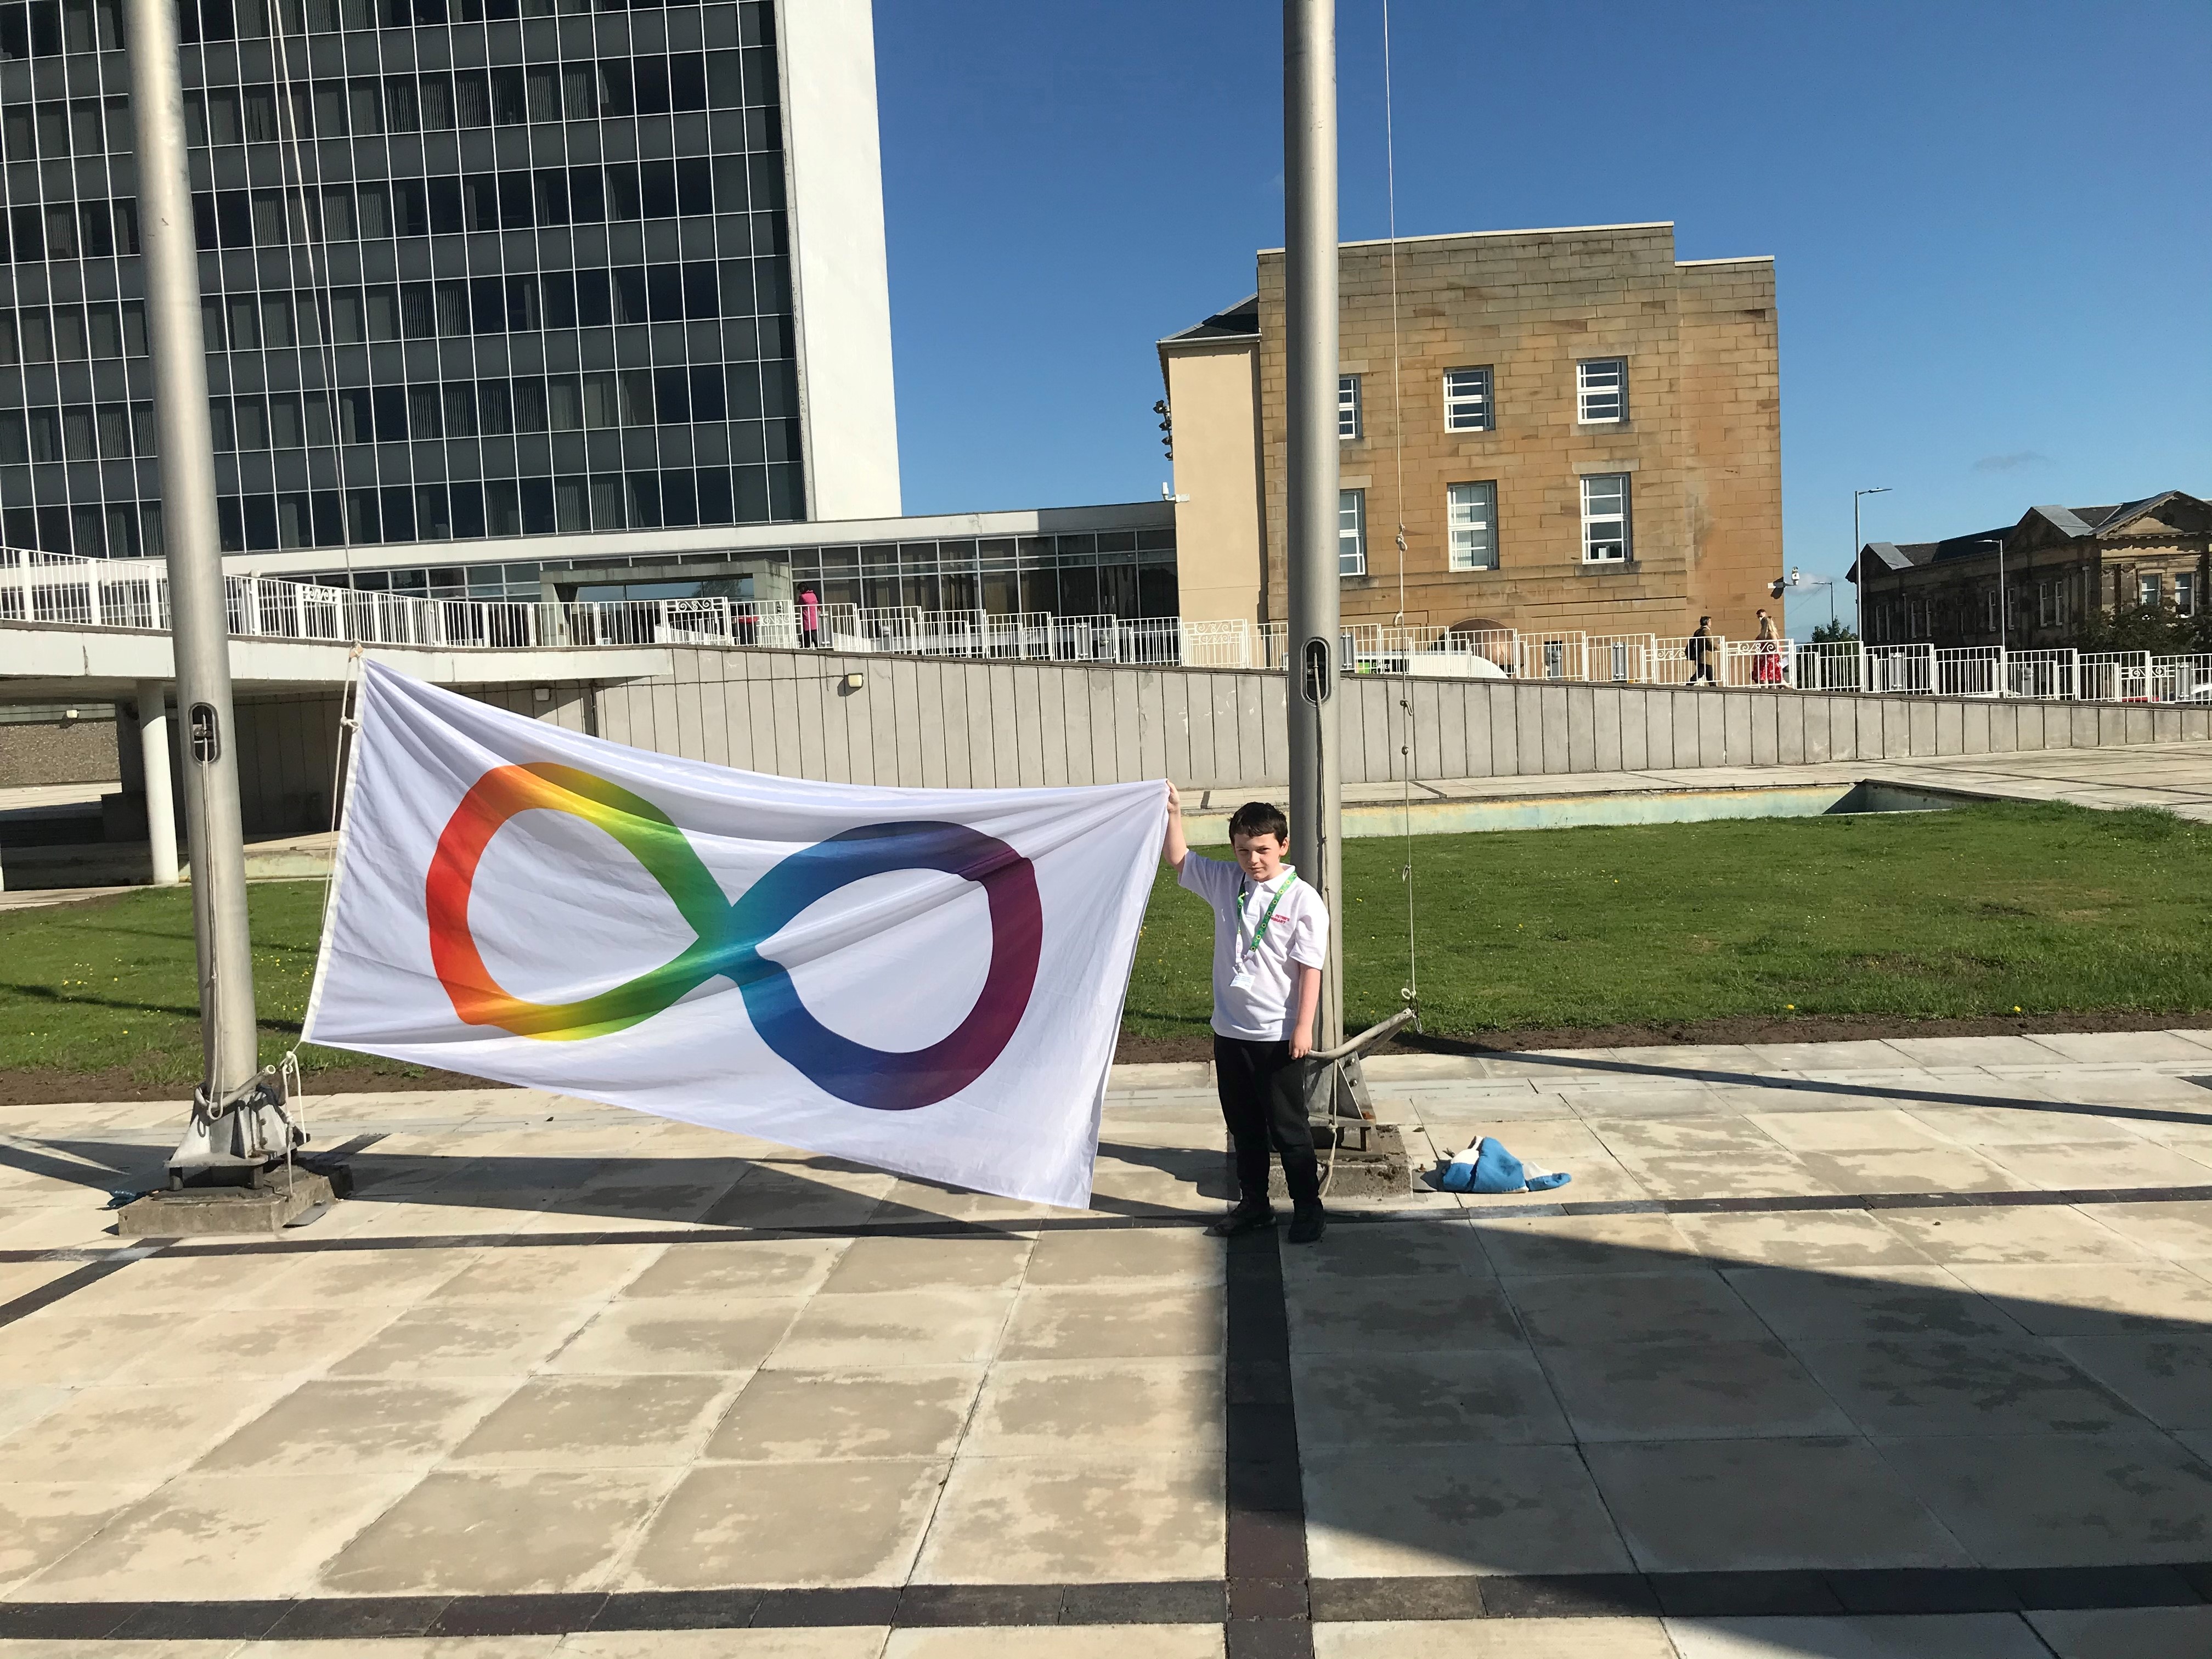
[1307, 1223]
[1244, 1218]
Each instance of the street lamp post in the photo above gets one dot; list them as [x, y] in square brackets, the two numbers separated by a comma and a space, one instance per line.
[1858, 545]
[2004, 613]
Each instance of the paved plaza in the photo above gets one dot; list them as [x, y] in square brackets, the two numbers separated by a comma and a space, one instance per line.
[1871, 1348]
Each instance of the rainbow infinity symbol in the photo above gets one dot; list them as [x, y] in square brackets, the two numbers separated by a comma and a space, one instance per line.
[730, 934]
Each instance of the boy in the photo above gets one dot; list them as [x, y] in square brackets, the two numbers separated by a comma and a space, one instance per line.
[1270, 940]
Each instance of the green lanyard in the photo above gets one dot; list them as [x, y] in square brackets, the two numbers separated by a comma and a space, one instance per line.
[1252, 946]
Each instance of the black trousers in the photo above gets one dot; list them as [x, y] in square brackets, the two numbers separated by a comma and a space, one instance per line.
[1262, 1105]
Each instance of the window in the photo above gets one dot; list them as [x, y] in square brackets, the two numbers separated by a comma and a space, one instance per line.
[1471, 516]
[1466, 400]
[1601, 390]
[1351, 533]
[1347, 405]
[2047, 614]
[1990, 611]
[1605, 518]
[2147, 592]
[2184, 593]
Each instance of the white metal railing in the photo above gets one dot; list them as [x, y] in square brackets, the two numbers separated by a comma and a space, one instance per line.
[1764, 664]
[65, 590]
[1830, 666]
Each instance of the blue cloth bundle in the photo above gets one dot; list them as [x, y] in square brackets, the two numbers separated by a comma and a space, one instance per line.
[1487, 1167]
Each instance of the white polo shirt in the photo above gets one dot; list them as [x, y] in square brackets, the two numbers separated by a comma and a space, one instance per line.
[1261, 1009]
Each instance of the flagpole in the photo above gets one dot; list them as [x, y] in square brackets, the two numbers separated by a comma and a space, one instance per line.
[238, 1124]
[1310, 243]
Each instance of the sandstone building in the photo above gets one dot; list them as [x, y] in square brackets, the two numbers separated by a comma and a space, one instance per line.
[1588, 429]
[2060, 566]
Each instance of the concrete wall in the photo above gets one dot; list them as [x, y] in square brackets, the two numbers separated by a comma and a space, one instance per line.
[936, 723]
[58, 751]
[951, 723]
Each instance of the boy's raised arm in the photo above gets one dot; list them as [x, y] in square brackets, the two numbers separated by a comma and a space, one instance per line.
[1173, 848]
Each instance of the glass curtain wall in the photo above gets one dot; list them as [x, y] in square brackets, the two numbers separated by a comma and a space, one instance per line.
[1122, 573]
[470, 268]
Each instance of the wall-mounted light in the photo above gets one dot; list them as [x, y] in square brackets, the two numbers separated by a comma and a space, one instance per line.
[853, 682]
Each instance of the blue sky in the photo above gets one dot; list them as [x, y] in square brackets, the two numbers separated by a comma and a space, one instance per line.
[1992, 223]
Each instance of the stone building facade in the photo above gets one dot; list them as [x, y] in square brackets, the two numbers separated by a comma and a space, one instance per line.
[2061, 565]
[1588, 432]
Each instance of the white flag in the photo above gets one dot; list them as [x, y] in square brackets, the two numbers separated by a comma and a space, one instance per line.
[929, 981]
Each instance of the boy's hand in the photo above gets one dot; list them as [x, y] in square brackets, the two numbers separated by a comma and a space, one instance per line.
[1302, 1042]
[1173, 847]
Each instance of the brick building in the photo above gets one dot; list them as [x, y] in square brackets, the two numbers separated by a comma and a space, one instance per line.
[1590, 436]
[2061, 565]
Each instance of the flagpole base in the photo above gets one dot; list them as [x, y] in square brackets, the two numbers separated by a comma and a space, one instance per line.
[270, 1200]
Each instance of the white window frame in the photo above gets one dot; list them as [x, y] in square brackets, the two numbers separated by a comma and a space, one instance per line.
[2046, 604]
[1596, 525]
[1601, 383]
[1471, 524]
[1468, 406]
[2184, 593]
[1347, 407]
[1351, 533]
[2148, 591]
[1988, 610]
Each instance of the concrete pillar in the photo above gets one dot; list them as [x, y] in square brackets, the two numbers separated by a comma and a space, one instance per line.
[160, 801]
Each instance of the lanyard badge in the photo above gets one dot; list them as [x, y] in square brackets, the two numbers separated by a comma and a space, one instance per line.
[1248, 949]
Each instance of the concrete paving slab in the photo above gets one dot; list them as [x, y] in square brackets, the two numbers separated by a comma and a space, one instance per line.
[2126, 1632]
[1496, 1396]
[1516, 1638]
[798, 1416]
[1689, 1391]
[1932, 1635]
[1863, 1304]
[500, 1533]
[221, 1537]
[1737, 1505]
[2167, 1377]
[1032, 1641]
[829, 1522]
[2062, 1500]
[1077, 1517]
[1449, 1511]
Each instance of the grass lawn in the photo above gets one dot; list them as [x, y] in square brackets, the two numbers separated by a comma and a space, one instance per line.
[2047, 910]
[1979, 911]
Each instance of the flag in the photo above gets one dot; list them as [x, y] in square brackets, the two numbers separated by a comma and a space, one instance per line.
[928, 981]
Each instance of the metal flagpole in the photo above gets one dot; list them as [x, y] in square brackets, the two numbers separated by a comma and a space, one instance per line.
[238, 1123]
[1311, 305]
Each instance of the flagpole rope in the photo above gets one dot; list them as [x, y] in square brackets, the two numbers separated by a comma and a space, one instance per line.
[1412, 990]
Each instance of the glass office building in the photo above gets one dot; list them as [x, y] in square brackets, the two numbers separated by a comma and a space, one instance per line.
[483, 281]
[470, 268]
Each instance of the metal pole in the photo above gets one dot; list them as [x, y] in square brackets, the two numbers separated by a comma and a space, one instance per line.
[1858, 554]
[220, 1134]
[160, 802]
[1309, 274]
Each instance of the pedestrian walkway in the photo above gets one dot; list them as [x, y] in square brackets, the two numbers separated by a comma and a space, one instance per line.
[1878, 1347]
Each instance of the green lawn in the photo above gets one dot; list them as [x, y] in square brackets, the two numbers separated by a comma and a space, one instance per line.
[1980, 911]
[2046, 909]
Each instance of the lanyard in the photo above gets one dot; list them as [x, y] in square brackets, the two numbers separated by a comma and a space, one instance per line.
[1252, 946]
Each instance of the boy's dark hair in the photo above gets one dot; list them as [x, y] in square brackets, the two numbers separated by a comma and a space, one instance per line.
[1260, 817]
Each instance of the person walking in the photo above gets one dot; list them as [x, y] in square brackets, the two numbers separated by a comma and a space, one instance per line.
[810, 618]
[1270, 940]
[1699, 650]
[1767, 670]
